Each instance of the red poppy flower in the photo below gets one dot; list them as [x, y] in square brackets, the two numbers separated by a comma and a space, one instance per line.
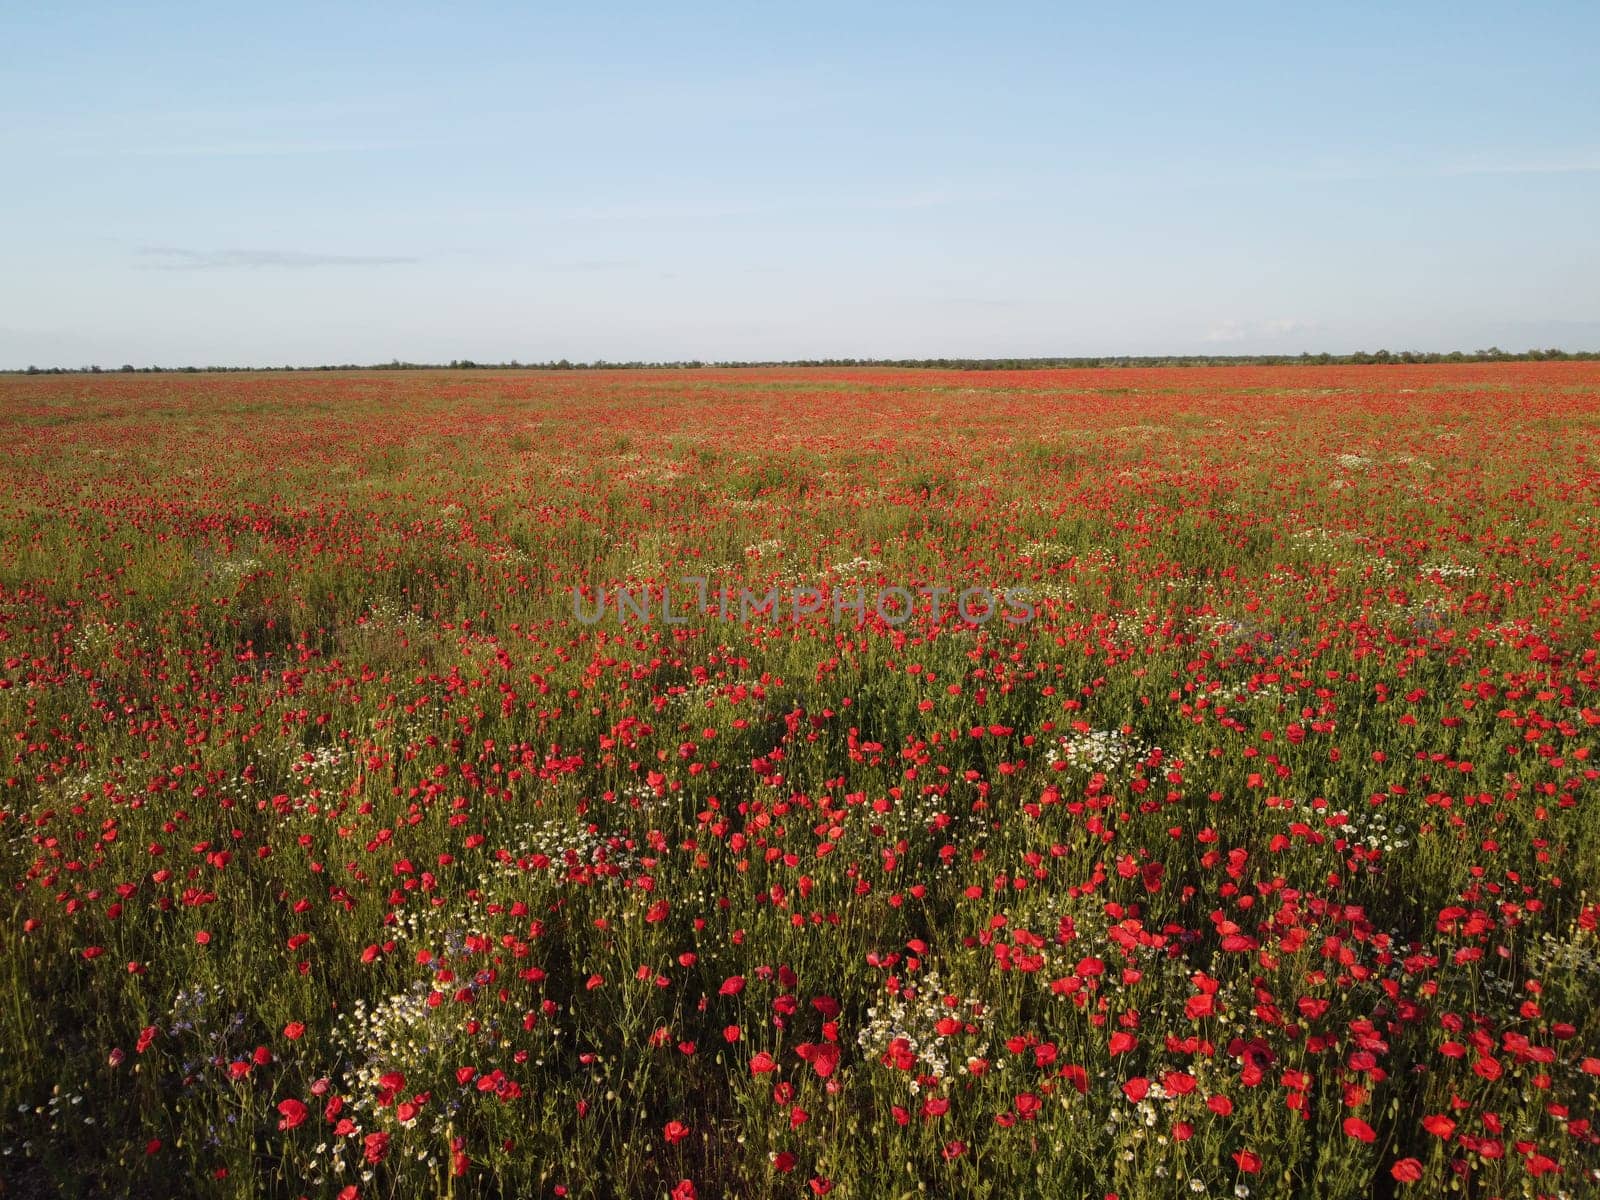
[823, 1057]
[1407, 1170]
[1439, 1125]
[1356, 1128]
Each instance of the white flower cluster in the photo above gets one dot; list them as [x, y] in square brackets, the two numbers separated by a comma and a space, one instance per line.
[1224, 628]
[1247, 692]
[1411, 460]
[1102, 750]
[81, 785]
[1053, 590]
[1577, 957]
[1316, 538]
[705, 694]
[1508, 630]
[856, 566]
[642, 569]
[642, 797]
[1369, 827]
[61, 1107]
[914, 1015]
[1039, 552]
[230, 570]
[388, 613]
[94, 638]
[570, 842]
[316, 763]
[1446, 570]
[399, 1033]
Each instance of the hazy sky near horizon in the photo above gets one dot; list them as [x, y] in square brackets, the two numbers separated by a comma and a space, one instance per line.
[300, 184]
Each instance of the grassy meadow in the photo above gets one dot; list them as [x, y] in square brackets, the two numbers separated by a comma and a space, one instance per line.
[341, 858]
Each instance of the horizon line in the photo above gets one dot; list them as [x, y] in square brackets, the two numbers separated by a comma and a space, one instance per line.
[960, 362]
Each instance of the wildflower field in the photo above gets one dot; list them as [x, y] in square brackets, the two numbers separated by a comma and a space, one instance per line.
[1254, 853]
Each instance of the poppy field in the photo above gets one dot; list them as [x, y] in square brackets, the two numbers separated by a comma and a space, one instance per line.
[1253, 852]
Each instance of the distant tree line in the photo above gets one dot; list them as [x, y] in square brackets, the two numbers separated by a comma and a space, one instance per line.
[1360, 357]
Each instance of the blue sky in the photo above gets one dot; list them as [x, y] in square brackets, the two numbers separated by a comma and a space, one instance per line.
[315, 183]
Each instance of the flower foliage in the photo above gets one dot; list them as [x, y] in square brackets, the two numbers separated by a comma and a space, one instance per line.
[1262, 861]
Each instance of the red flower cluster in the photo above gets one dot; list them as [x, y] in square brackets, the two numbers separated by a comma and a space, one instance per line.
[1264, 847]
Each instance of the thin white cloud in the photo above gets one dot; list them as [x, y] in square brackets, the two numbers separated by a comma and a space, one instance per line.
[172, 258]
[268, 131]
[1226, 331]
[246, 148]
[1574, 164]
[1229, 331]
[1281, 326]
[809, 206]
[584, 266]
